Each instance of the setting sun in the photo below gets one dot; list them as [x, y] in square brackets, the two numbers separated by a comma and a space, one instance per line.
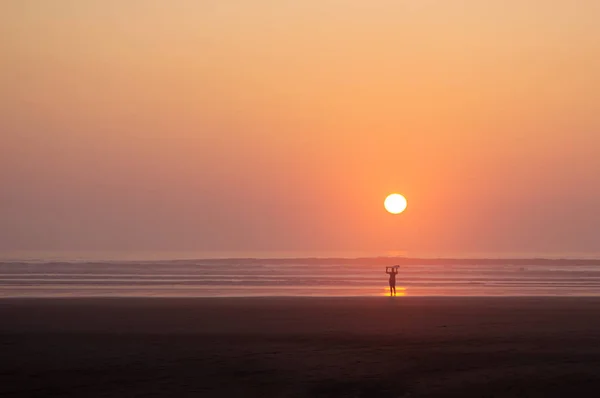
[395, 203]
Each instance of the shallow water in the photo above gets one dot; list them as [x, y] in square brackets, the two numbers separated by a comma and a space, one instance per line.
[300, 277]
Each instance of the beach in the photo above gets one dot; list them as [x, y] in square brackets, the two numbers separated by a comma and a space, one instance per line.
[300, 347]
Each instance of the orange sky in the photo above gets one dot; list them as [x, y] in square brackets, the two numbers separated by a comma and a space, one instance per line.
[282, 125]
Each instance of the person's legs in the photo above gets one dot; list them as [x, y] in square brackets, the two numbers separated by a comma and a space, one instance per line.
[391, 287]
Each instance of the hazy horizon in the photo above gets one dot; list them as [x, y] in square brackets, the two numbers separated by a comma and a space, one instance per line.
[259, 126]
[125, 256]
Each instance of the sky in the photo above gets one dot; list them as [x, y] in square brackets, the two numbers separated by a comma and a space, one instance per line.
[223, 125]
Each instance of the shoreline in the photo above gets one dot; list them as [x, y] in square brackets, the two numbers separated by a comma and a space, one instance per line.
[303, 297]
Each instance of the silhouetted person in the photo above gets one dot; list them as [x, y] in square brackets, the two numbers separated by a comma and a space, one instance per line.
[392, 272]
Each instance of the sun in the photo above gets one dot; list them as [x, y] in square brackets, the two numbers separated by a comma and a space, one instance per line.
[395, 203]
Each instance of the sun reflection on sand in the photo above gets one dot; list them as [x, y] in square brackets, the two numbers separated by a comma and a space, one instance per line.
[400, 291]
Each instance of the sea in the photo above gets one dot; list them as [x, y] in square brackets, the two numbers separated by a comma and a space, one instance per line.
[293, 274]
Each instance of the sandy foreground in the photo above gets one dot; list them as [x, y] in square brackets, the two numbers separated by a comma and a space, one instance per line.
[300, 347]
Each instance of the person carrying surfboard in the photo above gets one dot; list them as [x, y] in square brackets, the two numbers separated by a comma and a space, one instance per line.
[392, 272]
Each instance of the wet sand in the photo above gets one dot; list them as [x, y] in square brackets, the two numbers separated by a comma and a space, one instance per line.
[300, 347]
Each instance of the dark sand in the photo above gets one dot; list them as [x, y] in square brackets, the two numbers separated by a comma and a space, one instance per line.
[300, 347]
